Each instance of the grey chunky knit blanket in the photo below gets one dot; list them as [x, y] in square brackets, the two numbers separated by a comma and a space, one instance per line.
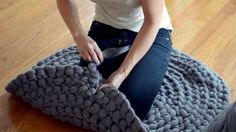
[191, 95]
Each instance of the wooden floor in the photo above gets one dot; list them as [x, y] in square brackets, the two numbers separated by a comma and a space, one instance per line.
[33, 29]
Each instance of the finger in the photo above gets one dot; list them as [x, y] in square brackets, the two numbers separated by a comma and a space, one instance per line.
[99, 53]
[103, 86]
[94, 56]
[87, 56]
[83, 56]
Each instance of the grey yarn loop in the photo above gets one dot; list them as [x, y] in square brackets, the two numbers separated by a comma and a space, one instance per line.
[190, 97]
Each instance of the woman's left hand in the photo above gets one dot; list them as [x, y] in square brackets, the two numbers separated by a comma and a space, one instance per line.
[114, 80]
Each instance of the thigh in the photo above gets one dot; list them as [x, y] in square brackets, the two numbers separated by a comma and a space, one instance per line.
[106, 37]
[103, 39]
[144, 81]
[109, 64]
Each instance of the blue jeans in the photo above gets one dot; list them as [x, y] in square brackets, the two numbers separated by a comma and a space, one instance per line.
[144, 81]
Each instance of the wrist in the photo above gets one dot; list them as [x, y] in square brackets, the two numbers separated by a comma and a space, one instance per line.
[123, 71]
[79, 34]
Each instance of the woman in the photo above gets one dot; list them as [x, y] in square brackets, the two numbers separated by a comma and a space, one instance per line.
[144, 25]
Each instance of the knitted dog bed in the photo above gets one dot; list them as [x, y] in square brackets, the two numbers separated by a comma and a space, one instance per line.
[191, 95]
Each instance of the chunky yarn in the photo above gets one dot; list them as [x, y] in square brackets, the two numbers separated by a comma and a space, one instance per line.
[225, 121]
[191, 95]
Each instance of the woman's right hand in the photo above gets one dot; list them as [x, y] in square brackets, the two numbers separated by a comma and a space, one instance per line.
[87, 46]
[89, 50]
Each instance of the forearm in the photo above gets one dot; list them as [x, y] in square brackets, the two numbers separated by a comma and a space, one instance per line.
[141, 45]
[69, 12]
[152, 18]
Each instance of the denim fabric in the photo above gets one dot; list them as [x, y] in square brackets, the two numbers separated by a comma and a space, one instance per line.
[144, 81]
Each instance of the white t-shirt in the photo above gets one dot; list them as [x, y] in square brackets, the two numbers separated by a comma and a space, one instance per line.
[125, 14]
